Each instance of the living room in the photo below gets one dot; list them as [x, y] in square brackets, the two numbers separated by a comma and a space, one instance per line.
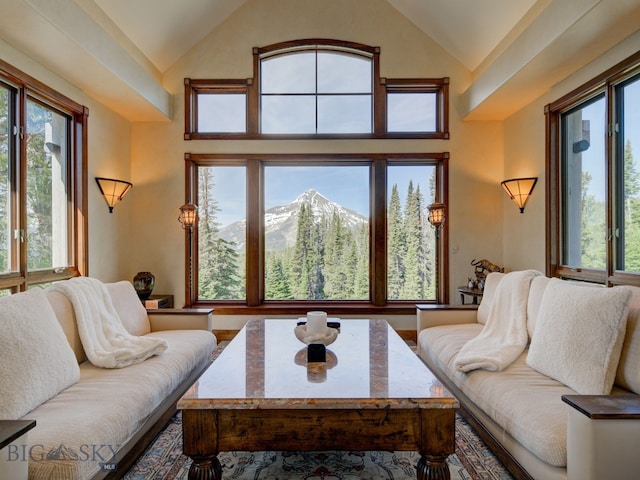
[496, 118]
[494, 125]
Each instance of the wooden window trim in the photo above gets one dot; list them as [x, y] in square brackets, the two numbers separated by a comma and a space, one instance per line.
[381, 86]
[29, 87]
[439, 86]
[254, 303]
[603, 84]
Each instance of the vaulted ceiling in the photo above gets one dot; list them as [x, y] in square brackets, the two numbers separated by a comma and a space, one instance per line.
[117, 50]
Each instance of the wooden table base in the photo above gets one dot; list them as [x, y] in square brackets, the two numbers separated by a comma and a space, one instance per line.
[428, 431]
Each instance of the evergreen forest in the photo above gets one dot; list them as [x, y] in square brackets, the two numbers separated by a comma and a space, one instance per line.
[328, 260]
[39, 237]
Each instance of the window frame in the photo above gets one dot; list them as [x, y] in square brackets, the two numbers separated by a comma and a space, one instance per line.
[604, 85]
[254, 302]
[380, 88]
[27, 87]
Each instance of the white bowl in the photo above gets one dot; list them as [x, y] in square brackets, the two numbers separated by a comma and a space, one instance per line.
[326, 338]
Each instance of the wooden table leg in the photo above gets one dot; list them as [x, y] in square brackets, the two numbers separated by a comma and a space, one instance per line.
[437, 443]
[200, 442]
[205, 468]
[432, 467]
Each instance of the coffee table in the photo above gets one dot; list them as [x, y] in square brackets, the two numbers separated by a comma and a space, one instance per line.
[373, 393]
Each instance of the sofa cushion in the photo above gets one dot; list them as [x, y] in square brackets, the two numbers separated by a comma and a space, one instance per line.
[37, 361]
[628, 374]
[536, 290]
[535, 417]
[578, 335]
[491, 283]
[129, 307]
[107, 407]
[67, 318]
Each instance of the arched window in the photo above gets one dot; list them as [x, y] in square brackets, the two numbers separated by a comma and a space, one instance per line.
[282, 232]
[316, 88]
[316, 91]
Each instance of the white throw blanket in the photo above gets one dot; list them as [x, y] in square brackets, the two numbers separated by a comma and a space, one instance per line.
[105, 340]
[504, 336]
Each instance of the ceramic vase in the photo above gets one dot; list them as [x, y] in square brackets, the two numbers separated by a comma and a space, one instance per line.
[144, 282]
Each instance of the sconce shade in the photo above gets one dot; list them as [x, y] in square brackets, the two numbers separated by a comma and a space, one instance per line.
[519, 189]
[436, 214]
[113, 190]
[188, 215]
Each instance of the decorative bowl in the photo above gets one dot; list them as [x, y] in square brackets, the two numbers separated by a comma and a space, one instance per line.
[326, 338]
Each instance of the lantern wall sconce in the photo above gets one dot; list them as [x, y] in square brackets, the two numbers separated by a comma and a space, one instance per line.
[113, 190]
[188, 219]
[519, 189]
[188, 216]
[436, 216]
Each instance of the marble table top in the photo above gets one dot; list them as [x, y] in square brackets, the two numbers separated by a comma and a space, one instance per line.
[368, 366]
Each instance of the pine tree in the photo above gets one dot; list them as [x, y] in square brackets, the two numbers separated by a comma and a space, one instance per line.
[593, 227]
[413, 287]
[631, 211]
[302, 265]
[218, 263]
[276, 284]
[4, 177]
[396, 247]
[335, 269]
[362, 271]
[39, 178]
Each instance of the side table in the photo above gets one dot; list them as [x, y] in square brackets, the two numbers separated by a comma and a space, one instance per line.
[13, 465]
[476, 293]
[602, 435]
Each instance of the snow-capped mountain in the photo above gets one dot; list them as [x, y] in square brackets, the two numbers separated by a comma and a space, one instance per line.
[281, 222]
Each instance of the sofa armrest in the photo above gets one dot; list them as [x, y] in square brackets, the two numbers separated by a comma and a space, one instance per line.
[181, 319]
[432, 315]
[602, 436]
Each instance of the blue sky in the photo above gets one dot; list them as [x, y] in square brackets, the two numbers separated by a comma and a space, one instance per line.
[347, 186]
[593, 157]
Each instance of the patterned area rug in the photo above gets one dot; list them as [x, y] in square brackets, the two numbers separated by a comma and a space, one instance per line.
[163, 460]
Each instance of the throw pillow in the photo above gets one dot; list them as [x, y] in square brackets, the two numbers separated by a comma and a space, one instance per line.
[491, 283]
[37, 361]
[132, 313]
[578, 336]
[628, 375]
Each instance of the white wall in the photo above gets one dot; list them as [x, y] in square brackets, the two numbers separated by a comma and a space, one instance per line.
[524, 153]
[109, 147]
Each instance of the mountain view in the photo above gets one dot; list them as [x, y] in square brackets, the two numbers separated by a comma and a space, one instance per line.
[316, 249]
[281, 222]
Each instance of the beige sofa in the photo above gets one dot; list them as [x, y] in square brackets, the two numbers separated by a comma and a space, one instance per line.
[92, 422]
[528, 417]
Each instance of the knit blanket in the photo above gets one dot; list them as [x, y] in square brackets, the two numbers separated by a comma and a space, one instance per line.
[105, 340]
[504, 336]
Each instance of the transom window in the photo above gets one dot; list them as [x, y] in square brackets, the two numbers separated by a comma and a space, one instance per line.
[316, 89]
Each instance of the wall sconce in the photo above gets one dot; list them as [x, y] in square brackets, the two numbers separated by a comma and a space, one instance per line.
[436, 215]
[188, 219]
[436, 218]
[113, 190]
[188, 216]
[519, 189]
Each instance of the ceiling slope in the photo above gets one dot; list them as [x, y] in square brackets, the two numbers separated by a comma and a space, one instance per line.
[65, 39]
[116, 50]
[563, 38]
